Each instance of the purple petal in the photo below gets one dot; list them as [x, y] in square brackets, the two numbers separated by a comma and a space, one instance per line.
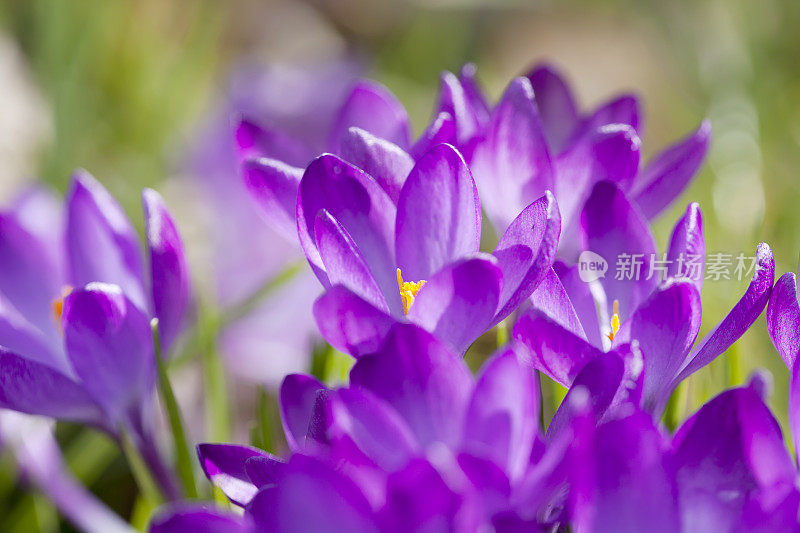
[253, 141]
[349, 323]
[343, 261]
[371, 424]
[740, 318]
[374, 109]
[512, 165]
[312, 497]
[297, 396]
[556, 351]
[556, 104]
[419, 499]
[109, 342]
[580, 294]
[474, 94]
[794, 407]
[615, 229]
[723, 453]
[688, 246]
[185, 518]
[671, 171]
[526, 252]
[666, 326]
[361, 207]
[552, 299]
[224, 465]
[263, 471]
[101, 242]
[620, 110]
[30, 279]
[20, 336]
[609, 154]
[502, 421]
[273, 186]
[783, 318]
[438, 214]
[458, 303]
[35, 388]
[458, 103]
[624, 483]
[41, 213]
[423, 379]
[613, 384]
[169, 273]
[442, 129]
[387, 163]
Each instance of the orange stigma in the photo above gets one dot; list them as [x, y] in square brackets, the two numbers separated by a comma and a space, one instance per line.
[614, 321]
[408, 290]
[58, 304]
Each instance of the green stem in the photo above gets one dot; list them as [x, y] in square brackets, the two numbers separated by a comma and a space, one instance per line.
[215, 384]
[266, 421]
[183, 456]
[144, 479]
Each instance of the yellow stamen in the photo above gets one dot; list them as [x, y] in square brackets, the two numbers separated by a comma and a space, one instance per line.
[58, 304]
[408, 290]
[614, 321]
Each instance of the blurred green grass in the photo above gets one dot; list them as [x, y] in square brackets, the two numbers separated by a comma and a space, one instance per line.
[126, 82]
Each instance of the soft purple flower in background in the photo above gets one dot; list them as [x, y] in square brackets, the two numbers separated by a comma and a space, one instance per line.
[568, 324]
[40, 461]
[75, 309]
[536, 139]
[298, 103]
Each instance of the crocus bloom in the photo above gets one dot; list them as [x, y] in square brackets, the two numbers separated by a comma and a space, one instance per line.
[416, 259]
[572, 322]
[75, 309]
[537, 140]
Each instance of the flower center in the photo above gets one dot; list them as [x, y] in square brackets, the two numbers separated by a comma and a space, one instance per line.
[408, 290]
[58, 304]
[614, 321]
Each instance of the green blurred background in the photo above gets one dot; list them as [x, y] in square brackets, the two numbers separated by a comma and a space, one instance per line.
[119, 88]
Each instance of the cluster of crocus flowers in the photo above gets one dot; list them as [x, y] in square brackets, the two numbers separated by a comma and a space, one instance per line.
[392, 229]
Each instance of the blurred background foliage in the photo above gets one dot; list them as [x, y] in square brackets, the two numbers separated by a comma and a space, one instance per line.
[119, 87]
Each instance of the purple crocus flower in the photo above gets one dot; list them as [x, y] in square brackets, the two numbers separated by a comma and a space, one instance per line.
[75, 309]
[417, 258]
[537, 140]
[572, 322]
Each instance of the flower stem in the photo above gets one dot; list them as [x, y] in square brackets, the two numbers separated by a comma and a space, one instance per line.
[144, 479]
[183, 456]
[214, 377]
[266, 422]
